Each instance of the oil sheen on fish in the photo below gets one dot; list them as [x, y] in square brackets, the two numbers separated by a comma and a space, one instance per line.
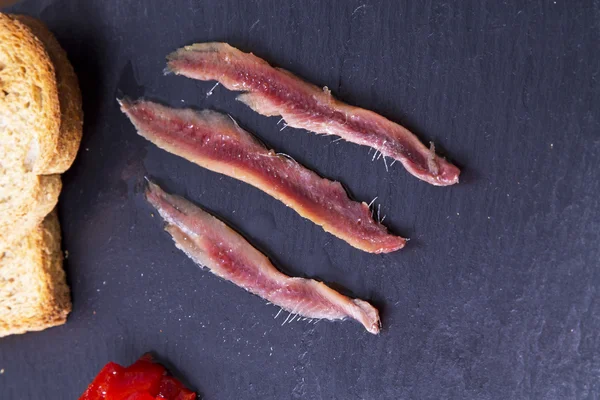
[212, 244]
[273, 91]
[214, 141]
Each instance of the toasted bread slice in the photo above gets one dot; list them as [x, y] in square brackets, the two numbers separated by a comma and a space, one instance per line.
[40, 132]
[33, 290]
[69, 96]
[29, 104]
[40, 124]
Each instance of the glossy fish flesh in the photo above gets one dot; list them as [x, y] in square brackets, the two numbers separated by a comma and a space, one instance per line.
[273, 91]
[214, 141]
[212, 244]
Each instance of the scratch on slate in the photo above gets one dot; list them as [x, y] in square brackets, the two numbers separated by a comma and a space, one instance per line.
[254, 25]
[358, 8]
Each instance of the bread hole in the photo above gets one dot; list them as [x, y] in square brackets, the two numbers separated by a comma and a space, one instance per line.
[27, 105]
[37, 96]
[24, 70]
[4, 92]
[2, 66]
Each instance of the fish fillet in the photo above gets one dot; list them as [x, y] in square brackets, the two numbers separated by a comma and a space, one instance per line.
[273, 91]
[214, 141]
[212, 244]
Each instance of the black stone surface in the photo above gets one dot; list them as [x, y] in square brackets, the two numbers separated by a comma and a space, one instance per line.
[496, 296]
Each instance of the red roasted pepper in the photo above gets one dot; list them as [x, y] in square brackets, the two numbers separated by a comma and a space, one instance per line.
[143, 380]
[172, 389]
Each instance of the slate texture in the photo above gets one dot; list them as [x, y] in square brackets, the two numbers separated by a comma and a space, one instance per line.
[496, 296]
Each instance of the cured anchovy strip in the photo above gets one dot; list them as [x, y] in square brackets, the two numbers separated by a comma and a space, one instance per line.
[214, 141]
[273, 91]
[212, 244]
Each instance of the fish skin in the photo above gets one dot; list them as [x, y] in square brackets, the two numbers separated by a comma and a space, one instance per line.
[212, 244]
[214, 141]
[274, 91]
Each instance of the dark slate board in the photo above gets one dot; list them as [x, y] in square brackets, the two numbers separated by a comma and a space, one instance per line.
[496, 295]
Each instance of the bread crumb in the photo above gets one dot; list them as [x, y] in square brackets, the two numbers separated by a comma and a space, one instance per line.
[551, 145]
[87, 149]
[1, 371]
[94, 312]
[66, 254]
[152, 215]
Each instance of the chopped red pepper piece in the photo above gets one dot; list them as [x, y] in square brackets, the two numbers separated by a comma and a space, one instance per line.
[143, 380]
[99, 386]
[172, 389]
[141, 377]
[140, 396]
